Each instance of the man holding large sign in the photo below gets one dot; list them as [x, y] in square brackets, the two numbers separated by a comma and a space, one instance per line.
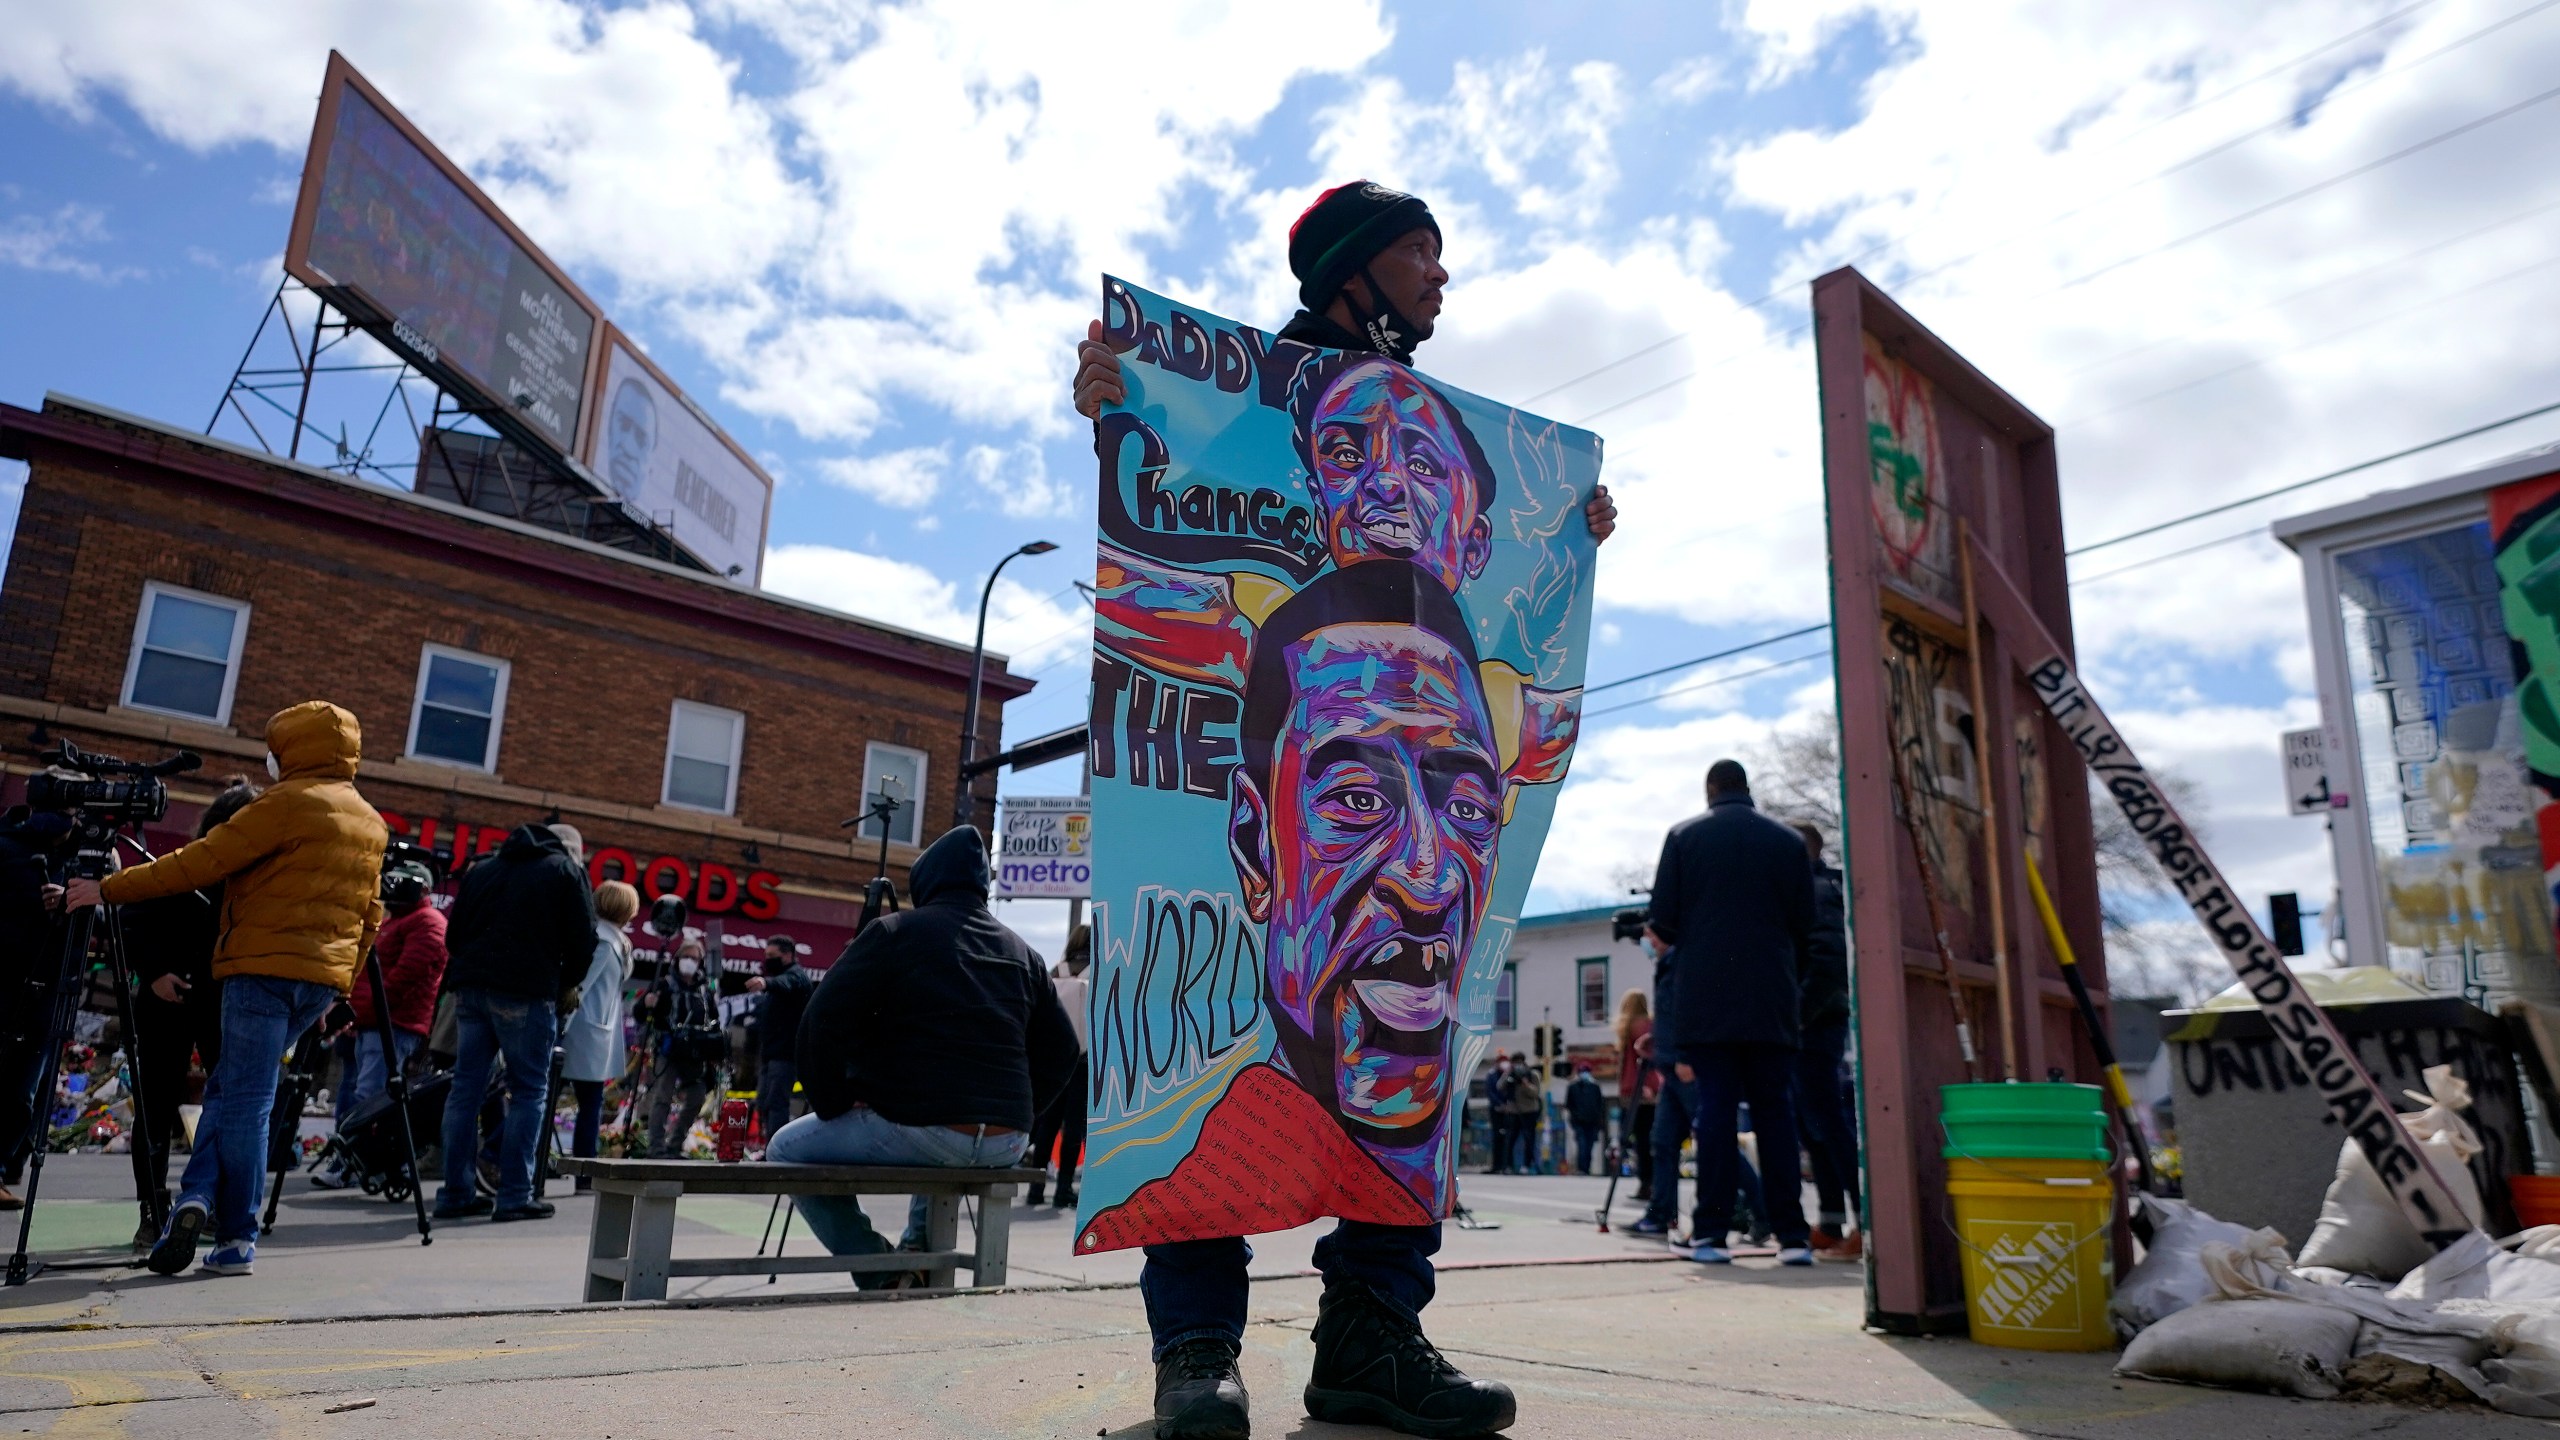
[1336, 682]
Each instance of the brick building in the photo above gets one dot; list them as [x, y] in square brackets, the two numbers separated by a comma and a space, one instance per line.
[166, 590]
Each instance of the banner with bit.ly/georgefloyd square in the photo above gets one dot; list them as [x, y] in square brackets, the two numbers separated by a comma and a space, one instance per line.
[1338, 656]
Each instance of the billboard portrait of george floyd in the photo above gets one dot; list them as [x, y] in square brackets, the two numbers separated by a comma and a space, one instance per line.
[1340, 631]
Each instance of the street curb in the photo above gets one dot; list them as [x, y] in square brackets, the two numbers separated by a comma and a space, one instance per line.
[750, 1302]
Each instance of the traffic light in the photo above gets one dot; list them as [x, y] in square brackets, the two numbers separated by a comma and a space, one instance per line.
[2284, 919]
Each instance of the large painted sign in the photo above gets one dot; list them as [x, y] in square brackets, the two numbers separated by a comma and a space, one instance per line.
[1338, 654]
[662, 455]
[398, 235]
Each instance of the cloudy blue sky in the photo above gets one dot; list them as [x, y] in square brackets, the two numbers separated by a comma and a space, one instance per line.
[2218, 246]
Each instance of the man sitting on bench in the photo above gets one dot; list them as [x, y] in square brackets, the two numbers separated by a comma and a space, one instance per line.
[934, 1040]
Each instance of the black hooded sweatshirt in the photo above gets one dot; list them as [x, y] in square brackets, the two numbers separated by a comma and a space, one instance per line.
[938, 1015]
[524, 923]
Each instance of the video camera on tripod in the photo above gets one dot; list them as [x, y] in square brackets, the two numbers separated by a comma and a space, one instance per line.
[98, 804]
[102, 796]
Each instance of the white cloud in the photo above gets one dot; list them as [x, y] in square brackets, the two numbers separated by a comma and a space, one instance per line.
[1541, 136]
[1023, 623]
[59, 243]
[1692, 79]
[908, 479]
[1017, 476]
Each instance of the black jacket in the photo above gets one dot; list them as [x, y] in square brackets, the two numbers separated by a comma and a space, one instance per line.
[30, 935]
[1733, 897]
[1826, 963]
[524, 923]
[938, 1015]
[175, 935]
[689, 1014]
[1583, 1102]
[786, 997]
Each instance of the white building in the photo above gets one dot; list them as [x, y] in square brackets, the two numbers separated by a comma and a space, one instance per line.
[1565, 971]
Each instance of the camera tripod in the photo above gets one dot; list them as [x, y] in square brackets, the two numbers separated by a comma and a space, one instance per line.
[94, 837]
[309, 1057]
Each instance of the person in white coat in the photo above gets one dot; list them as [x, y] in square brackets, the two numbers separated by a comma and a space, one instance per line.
[591, 1046]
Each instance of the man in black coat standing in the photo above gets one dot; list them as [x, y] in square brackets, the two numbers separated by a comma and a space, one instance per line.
[1733, 901]
[522, 932]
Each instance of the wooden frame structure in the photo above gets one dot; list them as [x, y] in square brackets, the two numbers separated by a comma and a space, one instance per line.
[1920, 452]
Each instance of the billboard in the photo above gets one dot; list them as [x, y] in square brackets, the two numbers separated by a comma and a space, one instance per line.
[1339, 638]
[654, 448]
[392, 232]
[1952, 771]
[1044, 848]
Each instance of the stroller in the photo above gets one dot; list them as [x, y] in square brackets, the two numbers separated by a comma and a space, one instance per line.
[369, 1144]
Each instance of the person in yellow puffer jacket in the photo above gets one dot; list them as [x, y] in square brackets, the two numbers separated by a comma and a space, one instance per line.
[301, 869]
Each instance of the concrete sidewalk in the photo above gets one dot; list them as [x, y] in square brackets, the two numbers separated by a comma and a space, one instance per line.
[1598, 1343]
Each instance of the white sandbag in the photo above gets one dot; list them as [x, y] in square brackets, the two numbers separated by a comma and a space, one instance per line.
[2361, 1228]
[2281, 1346]
[2524, 1373]
[2540, 1242]
[2171, 1275]
[2478, 1268]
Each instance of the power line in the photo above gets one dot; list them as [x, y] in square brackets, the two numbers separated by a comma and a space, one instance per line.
[2333, 282]
[1789, 287]
[2385, 318]
[2076, 581]
[1765, 640]
[2269, 74]
[1589, 715]
[2227, 506]
[2315, 188]
[2180, 554]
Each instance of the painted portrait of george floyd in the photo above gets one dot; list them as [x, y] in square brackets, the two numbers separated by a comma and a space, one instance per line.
[1340, 622]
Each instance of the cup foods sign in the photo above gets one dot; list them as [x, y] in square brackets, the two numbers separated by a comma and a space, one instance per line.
[1045, 848]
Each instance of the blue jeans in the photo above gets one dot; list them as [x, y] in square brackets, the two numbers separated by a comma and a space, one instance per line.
[1764, 1075]
[861, 1137]
[370, 1077]
[1586, 1138]
[1198, 1287]
[522, 1030]
[774, 1079]
[1830, 1135]
[261, 1015]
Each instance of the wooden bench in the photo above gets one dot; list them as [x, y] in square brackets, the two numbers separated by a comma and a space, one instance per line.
[630, 1245]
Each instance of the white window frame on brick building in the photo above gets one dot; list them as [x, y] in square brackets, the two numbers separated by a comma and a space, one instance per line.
[153, 592]
[723, 754]
[907, 828]
[497, 717]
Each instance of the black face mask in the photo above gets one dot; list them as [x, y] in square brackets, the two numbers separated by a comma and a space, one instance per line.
[1384, 327]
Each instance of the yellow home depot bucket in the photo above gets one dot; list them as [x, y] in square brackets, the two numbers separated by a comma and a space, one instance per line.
[2039, 1263]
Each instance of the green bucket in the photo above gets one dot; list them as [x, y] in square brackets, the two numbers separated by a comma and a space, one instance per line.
[2033, 1121]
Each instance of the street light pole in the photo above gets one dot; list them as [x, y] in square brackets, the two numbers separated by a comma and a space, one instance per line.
[960, 806]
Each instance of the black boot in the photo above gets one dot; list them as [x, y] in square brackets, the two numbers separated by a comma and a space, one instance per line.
[1199, 1395]
[1374, 1366]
